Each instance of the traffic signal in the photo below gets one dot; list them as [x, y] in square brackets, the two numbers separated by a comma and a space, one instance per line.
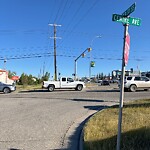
[89, 49]
[92, 63]
[83, 55]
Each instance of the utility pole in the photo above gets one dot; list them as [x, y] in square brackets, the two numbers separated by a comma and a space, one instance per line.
[55, 61]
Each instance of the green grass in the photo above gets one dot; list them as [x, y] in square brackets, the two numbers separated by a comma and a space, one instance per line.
[100, 132]
[28, 87]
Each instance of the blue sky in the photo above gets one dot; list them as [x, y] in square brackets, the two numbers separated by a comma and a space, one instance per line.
[28, 48]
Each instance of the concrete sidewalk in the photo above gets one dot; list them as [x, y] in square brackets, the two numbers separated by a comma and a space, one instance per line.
[73, 139]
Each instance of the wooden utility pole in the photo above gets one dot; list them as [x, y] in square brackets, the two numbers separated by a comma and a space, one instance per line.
[55, 60]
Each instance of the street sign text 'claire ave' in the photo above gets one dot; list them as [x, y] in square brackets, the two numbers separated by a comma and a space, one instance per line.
[126, 20]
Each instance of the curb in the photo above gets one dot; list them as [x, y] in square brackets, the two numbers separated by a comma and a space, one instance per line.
[78, 140]
[81, 140]
[82, 132]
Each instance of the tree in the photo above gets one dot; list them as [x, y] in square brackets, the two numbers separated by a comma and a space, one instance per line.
[97, 76]
[102, 76]
[30, 80]
[46, 77]
[109, 76]
[11, 74]
[23, 79]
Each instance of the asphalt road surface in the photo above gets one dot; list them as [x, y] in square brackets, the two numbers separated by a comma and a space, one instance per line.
[42, 120]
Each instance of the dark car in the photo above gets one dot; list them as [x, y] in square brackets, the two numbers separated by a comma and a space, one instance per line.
[7, 88]
[105, 82]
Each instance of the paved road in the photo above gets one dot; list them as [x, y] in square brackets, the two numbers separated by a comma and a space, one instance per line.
[41, 120]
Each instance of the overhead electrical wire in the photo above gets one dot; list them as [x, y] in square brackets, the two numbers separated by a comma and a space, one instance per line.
[84, 15]
[6, 52]
[52, 11]
[63, 10]
[59, 9]
[75, 14]
[80, 19]
[48, 54]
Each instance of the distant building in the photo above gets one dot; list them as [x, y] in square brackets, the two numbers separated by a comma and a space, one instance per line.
[4, 77]
[116, 74]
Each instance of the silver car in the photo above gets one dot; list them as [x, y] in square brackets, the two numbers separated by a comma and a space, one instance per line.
[7, 88]
[133, 83]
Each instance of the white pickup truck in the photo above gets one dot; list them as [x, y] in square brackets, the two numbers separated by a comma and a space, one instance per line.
[63, 83]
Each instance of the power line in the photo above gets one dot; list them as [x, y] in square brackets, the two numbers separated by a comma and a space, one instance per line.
[65, 6]
[82, 18]
[60, 6]
[39, 55]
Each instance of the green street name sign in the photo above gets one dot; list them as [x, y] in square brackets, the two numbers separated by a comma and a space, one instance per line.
[129, 10]
[124, 20]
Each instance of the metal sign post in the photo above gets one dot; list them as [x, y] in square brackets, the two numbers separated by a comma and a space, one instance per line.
[122, 89]
[126, 20]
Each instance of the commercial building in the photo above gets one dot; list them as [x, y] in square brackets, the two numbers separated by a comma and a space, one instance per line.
[116, 74]
[4, 77]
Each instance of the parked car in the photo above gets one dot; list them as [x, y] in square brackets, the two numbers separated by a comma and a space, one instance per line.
[105, 82]
[7, 88]
[133, 83]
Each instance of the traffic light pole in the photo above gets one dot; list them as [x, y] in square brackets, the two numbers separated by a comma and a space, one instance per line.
[75, 67]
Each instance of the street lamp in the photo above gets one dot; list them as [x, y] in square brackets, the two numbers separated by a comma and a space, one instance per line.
[98, 36]
[5, 64]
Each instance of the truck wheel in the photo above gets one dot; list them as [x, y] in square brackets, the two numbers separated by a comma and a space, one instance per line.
[79, 87]
[133, 88]
[6, 90]
[51, 88]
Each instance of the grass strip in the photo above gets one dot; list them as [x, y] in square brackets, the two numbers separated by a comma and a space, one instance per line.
[28, 87]
[100, 132]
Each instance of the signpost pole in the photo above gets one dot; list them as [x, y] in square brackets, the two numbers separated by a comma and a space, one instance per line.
[121, 89]
[126, 20]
